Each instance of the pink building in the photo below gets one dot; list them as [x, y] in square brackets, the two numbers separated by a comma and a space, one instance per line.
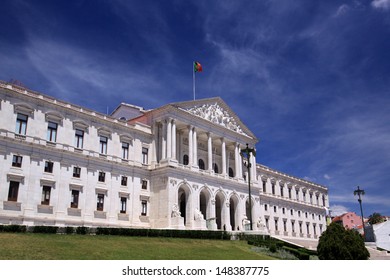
[349, 220]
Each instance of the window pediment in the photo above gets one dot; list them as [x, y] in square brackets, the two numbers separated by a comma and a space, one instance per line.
[99, 190]
[24, 109]
[126, 138]
[54, 117]
[77, 187]
[15, 177]
[104, 131]
[78, 124]
[48, 182]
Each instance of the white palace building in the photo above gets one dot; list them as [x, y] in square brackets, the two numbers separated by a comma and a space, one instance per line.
[174, 167]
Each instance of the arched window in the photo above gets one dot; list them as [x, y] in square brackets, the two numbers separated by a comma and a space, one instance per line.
[231, 172]
[185, 159]
[201, 164]
[215, 167]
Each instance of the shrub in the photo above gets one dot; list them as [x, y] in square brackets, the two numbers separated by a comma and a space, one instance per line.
[82, 230]
[45, 229]
[337, 243]
[13, 228]
[69, 230]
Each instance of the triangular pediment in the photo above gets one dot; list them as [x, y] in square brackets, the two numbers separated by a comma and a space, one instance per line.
[216, 111]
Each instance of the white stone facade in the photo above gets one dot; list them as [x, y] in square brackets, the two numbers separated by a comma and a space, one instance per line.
[177, 166]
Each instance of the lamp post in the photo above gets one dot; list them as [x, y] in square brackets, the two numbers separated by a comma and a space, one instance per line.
[246, 155]
[360, 192]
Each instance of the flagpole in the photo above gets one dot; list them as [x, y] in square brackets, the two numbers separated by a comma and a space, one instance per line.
[193, 78]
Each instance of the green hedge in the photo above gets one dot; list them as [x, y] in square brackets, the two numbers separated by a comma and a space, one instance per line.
[45, 229]
[301, 253]
[196, 234]
[199, 234]
[13, 228]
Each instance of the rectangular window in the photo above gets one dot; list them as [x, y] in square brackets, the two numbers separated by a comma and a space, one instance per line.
[79, 139]
[144, 209]
[267, 223]
[264, 186]
[76, 172]
[273, 188]
[300, 228]
[74, 203]
[144, 184]
[124, 181]
[297, 194]
[265, 207]
[308, 228]
[52, 131]
[48, 166]
[304, 196]
[102, 176]
[281, 191]
[323, 200]
[13, 191]
[293, 226]
[100, 202]
[289, 193]
[103, 145]
[276, 224]
[17, 161]
[275, 209]
[125, 150]
[46, 195]
[311, 198]
[123, 205]
[285, 225]
[145, 155]
[21, 124]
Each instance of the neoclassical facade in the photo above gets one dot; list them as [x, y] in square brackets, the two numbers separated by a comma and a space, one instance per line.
[178, 166]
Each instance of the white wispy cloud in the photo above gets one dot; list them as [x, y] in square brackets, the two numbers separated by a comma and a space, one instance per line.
[337, 210]
[381, 4]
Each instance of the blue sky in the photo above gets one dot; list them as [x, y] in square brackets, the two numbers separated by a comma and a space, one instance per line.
[310, 78]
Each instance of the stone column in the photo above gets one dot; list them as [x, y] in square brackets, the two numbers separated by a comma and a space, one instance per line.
[174, 140]
[236, 161]
[209, 152]
[226, 215]
[169, 138]
[241, 175]
[223, 156]
[253, 168]
[163, 142]
[195, 148]
[190, 145]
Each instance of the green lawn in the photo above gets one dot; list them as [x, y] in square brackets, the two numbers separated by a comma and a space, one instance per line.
[28, 246]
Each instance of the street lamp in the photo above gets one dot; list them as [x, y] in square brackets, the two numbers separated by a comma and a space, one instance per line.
[246, 155]
[360, 192]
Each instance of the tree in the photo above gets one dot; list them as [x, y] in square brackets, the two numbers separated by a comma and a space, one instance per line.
[338, 243]
[375, 218]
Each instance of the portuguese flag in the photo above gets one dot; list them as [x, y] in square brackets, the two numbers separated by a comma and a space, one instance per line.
[197, 67]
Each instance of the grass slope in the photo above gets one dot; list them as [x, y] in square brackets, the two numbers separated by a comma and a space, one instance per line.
[14, 246]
